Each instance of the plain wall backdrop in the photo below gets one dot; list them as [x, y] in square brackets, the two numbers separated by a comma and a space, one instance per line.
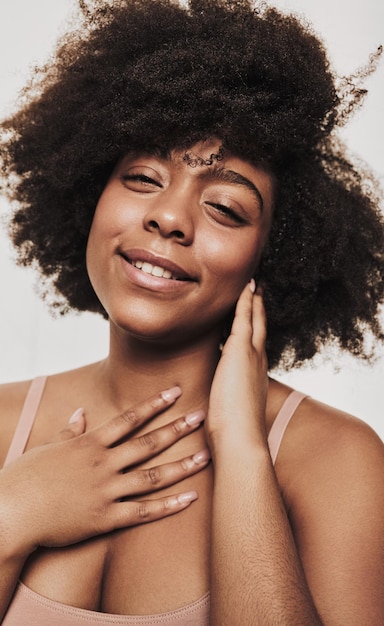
[33, 343]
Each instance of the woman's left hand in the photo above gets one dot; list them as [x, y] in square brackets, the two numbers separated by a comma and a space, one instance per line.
[239, 389]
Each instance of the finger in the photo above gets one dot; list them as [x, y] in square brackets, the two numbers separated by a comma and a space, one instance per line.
[144, 511]
[139, 449]
[242, 323]
[154, 478]
[259, 321]
[74, 428]
[131, 419]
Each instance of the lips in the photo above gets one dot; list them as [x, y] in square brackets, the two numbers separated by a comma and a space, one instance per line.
[154, 265]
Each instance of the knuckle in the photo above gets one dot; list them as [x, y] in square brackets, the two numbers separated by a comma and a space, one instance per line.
[153, 475]
[177, 427]
[142, 510]
[186, 465]
[149, 441]
[96, 461]
[156, 403]
[168, 504]
[130, 417]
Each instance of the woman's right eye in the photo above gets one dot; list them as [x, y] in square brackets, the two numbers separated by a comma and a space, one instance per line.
[140, 182]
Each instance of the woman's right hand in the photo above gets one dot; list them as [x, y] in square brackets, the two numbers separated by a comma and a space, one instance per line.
[87, 483]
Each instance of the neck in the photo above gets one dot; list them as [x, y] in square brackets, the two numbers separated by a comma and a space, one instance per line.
[135, 370]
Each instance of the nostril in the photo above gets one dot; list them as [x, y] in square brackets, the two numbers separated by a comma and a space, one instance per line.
[153, 225]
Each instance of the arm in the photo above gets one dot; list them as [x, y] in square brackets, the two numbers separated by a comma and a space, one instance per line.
[331, 553]
[257, 576]
[44, 503]
[337, 514]
[256, 573]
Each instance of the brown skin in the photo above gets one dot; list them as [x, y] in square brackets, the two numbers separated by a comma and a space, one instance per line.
[236, 538]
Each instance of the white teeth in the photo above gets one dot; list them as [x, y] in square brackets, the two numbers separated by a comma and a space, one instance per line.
[147, 268]
[157, 271]
[154, 270]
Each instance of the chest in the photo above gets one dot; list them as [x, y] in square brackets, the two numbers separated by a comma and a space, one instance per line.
[147, 569]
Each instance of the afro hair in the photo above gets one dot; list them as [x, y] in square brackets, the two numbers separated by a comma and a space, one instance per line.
[144, 73]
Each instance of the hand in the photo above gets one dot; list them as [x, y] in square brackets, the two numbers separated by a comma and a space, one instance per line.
[239, 389]
[86, 484]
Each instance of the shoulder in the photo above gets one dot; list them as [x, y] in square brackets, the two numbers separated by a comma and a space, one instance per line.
[57, 396]
[322, 433]
[12, 397]
[325, 444]
[331, 472]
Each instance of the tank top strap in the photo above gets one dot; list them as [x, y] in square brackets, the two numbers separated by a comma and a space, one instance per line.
[26, 419]
[282, 420]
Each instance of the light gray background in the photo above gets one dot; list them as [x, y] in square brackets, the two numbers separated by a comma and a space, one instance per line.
[33, 343]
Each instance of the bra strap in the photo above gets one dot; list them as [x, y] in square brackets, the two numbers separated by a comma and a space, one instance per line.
[282, 420]
[26, 419]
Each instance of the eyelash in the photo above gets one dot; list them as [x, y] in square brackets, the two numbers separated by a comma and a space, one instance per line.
[141, 178]
[221, 208]
[227, 211]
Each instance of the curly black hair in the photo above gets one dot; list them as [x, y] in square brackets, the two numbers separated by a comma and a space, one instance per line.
[144, 73]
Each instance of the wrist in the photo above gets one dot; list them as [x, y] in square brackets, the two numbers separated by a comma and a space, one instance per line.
[232, 449]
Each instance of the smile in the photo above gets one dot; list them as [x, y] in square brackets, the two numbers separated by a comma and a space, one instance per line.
[154, 270]
[154, 265]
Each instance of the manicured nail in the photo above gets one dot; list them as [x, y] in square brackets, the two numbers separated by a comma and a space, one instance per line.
[202, 457]
[186, 498]
[76, 416]
[252, 285]
[193, 419]
[171, 394]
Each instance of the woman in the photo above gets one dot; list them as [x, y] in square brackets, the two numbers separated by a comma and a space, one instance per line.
[164, 160]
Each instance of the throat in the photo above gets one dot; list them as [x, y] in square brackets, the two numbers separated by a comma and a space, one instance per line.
[134, 374]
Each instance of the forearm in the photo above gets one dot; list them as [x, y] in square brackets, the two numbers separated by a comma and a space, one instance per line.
[10, 569]
[257, 577]
[14, 546]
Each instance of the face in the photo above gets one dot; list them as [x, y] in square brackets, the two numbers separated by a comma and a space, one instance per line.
[175, 239]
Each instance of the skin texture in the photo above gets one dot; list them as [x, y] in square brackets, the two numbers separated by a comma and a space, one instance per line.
[262, 539]
[178, 212]
[258, 79]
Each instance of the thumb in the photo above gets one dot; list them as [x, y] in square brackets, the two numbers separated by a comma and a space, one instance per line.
[75, 426]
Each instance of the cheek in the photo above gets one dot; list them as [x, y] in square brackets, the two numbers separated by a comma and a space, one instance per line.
[110, 221]
[233, 260]
[102, 236]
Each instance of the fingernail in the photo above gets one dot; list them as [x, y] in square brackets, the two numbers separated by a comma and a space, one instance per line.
[171, 394]
[252, 285]
[186, 498]
[202, 457]
[193, 419]
[76, 416]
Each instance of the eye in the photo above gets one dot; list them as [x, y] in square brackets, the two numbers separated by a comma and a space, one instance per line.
[226, 213]
[141, 181]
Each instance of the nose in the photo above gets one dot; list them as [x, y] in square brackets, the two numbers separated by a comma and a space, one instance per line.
[171, 217]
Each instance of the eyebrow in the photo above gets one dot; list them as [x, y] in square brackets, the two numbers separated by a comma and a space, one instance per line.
[213, 172]
[234, 178]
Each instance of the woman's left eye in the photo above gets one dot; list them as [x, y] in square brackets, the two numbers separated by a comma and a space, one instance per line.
[227, 212]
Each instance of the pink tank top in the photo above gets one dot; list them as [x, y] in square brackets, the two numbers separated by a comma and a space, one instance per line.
[28, 607]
